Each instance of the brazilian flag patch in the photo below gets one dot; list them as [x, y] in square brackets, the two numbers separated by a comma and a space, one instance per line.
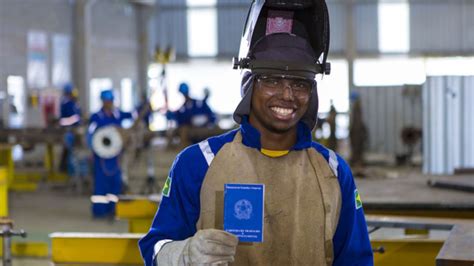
[167, 187]
[358, 201]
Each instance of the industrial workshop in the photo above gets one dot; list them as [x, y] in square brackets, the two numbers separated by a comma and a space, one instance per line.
[237, 132]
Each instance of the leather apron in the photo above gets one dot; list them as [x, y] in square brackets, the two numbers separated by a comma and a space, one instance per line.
[301, 207]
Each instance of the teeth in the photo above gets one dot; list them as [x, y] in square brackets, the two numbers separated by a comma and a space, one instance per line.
[282, 111]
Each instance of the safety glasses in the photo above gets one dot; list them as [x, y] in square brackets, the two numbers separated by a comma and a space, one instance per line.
[277, 83]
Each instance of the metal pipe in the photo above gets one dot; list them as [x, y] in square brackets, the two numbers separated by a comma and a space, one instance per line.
[7, 256]
[7, 233]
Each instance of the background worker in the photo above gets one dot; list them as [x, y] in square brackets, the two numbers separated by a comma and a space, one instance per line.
[70, 111]
[193, 117]
[107, 171]
[357, 134]
[331, 120]
[70, 116]
[312, 214]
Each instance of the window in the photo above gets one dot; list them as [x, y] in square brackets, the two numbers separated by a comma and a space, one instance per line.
[17, 100]
[394, 26]
[202, 28]
[126, 95]
[452, 66]
[334, 87]
[389, 71]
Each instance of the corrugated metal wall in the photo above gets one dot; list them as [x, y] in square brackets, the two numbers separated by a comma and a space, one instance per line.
[448, 124]
[113, 44]
[435, 26]
[15, 22]
[442, 26]
[337, 17]
[386, 111]
[171, 26]
[366, 27]
[231, 16]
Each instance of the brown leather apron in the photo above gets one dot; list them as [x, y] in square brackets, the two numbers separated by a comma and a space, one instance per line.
[302, 203]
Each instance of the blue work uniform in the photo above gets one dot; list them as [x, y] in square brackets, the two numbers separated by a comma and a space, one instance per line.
[70, 108]
[70, 116]
[107, 172]
[180, 207]
[195, 113]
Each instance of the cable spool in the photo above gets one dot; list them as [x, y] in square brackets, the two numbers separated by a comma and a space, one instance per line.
[107, 142]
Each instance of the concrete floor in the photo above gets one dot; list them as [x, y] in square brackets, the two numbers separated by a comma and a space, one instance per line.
[54, 208]
[407, 184]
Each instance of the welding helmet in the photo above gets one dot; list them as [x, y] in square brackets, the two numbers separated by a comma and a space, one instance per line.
[284, 37]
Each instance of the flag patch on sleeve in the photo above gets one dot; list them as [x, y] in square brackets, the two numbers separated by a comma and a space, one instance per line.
[167, 187]
[358, 201]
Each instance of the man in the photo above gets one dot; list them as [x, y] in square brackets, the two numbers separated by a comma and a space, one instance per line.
[70, 113]
[193, 117]
[357, 134]
[145, 111]
[107, 171]
[331, 120]
[312, 212]
[193, 112]
[70, 116]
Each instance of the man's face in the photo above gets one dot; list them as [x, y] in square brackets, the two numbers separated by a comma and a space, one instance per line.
[108, 105]
[279, 102]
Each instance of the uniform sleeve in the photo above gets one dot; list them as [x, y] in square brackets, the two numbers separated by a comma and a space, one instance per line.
[351, 240]
[127, 115]
[63, 110]
[93, 124]
[179, 209]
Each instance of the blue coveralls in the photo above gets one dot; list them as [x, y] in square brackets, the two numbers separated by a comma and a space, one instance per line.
[70, 114]
[179, 211]
[107, 172]
[69, 108]
[192, 109]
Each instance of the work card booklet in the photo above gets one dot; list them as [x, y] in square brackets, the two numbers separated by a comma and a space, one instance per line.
[243, 211]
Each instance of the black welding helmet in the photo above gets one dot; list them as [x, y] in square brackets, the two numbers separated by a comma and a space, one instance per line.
[284, 37]
[306, 19]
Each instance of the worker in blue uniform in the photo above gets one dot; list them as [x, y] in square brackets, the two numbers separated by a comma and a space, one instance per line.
[193, 112]
[70, 111]
[145, 111]
[70, 116]
[313, 214]
[107, 171]
[194, 116]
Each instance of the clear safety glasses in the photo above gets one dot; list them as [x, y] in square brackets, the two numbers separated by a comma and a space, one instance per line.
[277, 83]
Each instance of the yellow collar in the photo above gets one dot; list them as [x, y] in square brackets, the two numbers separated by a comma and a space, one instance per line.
[273, 154]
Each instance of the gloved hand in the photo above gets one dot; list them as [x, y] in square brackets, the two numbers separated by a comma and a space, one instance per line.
[206, 247]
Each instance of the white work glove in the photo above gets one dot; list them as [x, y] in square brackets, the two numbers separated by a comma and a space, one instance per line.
[206, 247]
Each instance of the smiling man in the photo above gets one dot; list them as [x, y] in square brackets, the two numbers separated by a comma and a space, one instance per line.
[312, 213]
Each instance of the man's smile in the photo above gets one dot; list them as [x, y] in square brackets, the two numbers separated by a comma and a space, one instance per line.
[283, 112]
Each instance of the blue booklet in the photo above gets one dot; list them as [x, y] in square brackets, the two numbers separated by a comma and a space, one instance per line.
[243, 211]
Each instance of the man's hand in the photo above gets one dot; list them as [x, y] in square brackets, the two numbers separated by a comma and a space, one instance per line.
[206, 247]
[211, 246]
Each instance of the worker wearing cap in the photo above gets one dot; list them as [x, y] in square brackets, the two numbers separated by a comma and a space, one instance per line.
[70, 113]
[70, 116]
[107, 171]
[312, 212]
[193, 115]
